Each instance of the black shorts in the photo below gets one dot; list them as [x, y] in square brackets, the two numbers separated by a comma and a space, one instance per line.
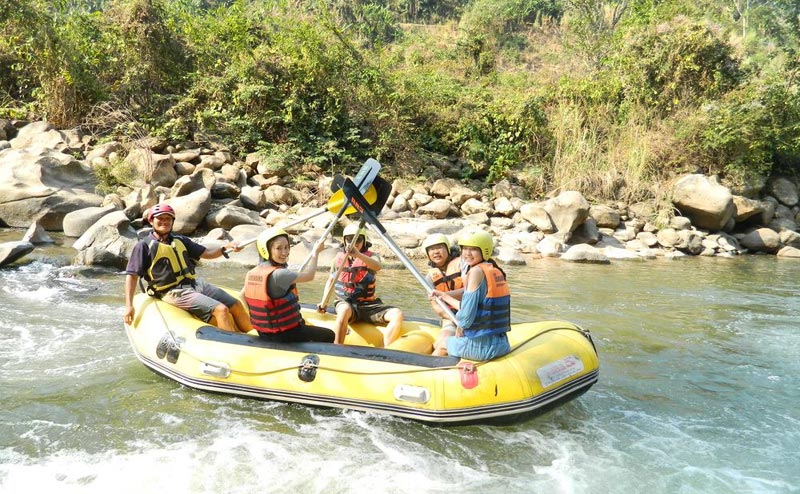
[374, 311]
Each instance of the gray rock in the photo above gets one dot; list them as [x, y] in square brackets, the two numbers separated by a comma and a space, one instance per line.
[13, 251]
[585, 253]
[709, 205]
[77, 222]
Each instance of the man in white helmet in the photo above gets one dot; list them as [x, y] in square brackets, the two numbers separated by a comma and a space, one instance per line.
[355, 288]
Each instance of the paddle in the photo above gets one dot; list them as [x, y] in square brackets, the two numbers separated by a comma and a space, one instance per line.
[366, 175]
[384, 190]
[360, 202]
[369, 170]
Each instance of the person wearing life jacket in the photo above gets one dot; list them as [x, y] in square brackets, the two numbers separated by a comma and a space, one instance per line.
[444, 275]
[483, 304]
[166, 261]
[270, 291]
[355, 288]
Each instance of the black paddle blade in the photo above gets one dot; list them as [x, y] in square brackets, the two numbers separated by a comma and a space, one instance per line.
[383, 190]
[361, 204]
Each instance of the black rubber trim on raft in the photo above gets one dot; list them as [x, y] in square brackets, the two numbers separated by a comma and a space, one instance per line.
[210, 333]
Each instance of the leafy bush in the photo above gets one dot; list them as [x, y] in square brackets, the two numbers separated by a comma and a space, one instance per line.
[498, 138]
[754, 130]
[674, 64]
[111, 176]
[293, 85]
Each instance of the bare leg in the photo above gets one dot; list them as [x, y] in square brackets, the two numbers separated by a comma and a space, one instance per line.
[343, 313]
[440, 345]
[241, 317]
[394, 322]
[221, 316]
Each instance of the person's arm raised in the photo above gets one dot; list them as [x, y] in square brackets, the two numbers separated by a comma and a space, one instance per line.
[310, 270]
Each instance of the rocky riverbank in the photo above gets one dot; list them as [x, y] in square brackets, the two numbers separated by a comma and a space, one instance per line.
[49, 183]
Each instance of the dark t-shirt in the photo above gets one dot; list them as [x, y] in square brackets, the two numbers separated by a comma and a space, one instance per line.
[141, 258]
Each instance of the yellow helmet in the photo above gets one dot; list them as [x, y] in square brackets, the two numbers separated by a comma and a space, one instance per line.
[479, 239]
[264, 239]
[435, 239]
[353, 229]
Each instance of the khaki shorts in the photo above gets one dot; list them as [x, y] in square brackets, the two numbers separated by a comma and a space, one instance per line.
[200, 300]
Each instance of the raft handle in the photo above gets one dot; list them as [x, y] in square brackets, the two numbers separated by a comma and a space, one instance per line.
[308, 368]
[215, 369]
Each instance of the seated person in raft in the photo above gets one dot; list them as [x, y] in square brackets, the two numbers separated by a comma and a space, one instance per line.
[270, 290]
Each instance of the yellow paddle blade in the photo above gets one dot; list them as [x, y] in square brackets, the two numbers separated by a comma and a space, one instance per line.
[338, 198]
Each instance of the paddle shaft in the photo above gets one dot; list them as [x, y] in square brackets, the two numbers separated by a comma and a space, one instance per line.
[366, 175]
[289, 225]
[326, 297]
[366, 215]
[410, 266]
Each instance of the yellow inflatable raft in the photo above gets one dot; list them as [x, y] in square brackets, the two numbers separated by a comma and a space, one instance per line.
[551, 363]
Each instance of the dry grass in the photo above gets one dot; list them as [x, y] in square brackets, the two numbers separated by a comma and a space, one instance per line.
[607, 161]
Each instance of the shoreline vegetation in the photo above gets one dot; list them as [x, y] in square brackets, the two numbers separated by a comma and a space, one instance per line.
[633, 128]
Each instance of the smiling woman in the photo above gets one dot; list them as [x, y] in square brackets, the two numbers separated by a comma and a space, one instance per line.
[270, 291]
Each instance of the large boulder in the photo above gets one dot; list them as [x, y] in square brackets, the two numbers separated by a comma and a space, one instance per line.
[108, 242]
[708, 204]
[42, 135]
[12, 251]
[42, 185]
[762, 240]
[190, 210]
[37, 235]
[77, 222]
[747, 208]
[229, 216]
[784, 190]
[159, 168]
[567, 211]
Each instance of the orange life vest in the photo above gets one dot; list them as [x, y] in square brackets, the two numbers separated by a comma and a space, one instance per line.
[448, 280]
[494, 312]
[270, 315]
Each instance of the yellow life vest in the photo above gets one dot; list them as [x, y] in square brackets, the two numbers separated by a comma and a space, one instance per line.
[171, 266]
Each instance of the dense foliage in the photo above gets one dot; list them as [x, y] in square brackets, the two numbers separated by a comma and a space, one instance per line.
[606, 97]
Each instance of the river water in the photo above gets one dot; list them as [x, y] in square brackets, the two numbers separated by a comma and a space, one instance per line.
[698, 393]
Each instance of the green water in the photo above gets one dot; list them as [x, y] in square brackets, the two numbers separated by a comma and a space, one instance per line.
[697, 394]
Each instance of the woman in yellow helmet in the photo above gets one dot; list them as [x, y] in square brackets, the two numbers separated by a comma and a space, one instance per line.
[444, 275]
[355, 288]
[484, 304]
[270, 290]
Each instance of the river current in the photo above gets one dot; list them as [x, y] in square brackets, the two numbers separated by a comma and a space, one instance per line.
[698, 393]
